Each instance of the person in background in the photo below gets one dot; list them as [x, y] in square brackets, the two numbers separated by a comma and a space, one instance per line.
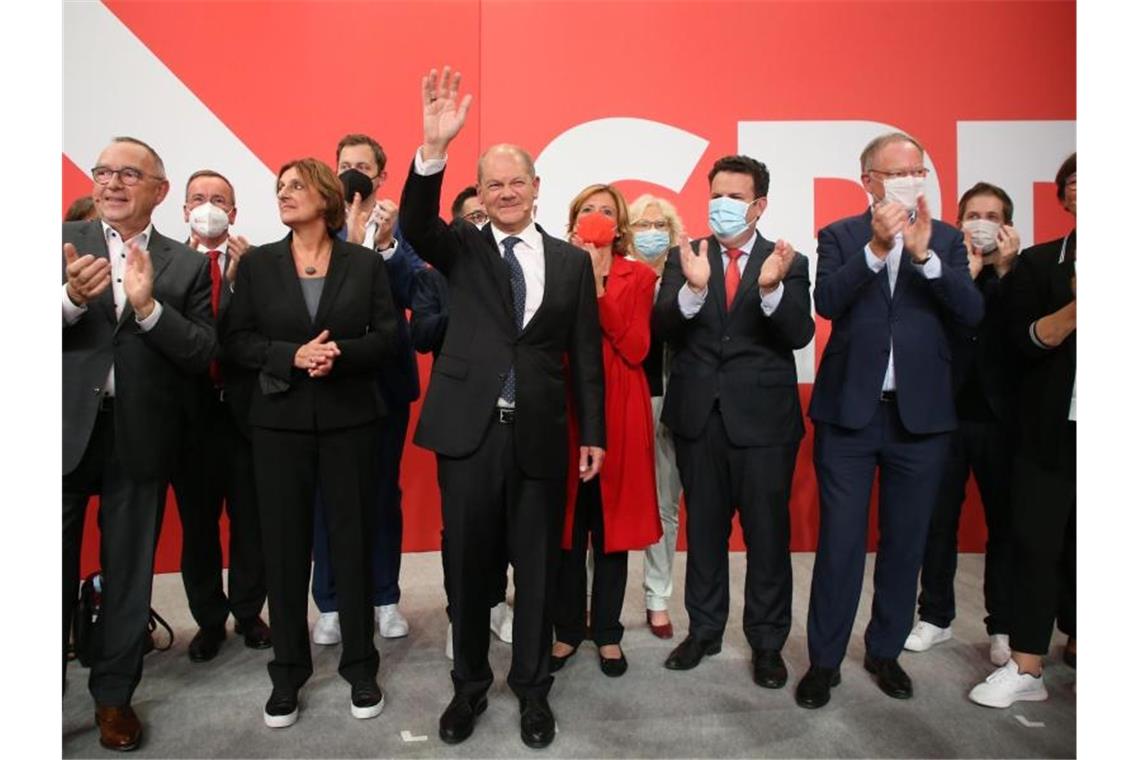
[616, 512]
[1042, 324]
[82, 209]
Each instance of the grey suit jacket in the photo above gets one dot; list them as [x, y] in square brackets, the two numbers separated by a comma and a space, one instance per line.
[153, 370]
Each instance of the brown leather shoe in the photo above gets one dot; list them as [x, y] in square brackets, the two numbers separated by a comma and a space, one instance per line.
[660, 631]
[119, 727]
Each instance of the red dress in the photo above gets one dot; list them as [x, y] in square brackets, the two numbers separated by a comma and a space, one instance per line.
[628, 481]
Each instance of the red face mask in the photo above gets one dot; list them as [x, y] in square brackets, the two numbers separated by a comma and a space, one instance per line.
[597, 229]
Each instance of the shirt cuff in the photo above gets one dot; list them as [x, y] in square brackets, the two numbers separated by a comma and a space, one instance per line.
[1034, 339]
[874, 263]
[769, 303]
[932, 269]
[390, 251]
[690, 301]
[146, 324]
[71, 312]
[426, 167]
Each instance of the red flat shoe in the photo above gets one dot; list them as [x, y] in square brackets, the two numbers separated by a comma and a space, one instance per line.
[660, 631]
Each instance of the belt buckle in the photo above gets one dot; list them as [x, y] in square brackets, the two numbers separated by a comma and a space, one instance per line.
[888, 396]
[106, 403]
[506, 416]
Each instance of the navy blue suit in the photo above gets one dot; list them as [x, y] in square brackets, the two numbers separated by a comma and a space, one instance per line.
[859, 428]
[399, 382]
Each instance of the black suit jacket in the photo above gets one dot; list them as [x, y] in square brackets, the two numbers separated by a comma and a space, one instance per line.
[266, 322]
[741, 357]
[154, 370]
[918, 319]
[983, 356]
[1040, 287]
[482, 342]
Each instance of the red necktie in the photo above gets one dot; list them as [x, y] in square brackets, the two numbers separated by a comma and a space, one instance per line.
[215, 299]
[731, 276]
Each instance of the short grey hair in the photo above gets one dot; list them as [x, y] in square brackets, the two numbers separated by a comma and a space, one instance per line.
[518, 152]
[151, 151]
[882, 141]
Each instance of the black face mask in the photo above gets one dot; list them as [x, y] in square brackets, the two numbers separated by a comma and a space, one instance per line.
[353, 182]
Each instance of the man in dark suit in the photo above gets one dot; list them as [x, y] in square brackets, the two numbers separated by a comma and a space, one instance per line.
[136, 330]
[216, 464]
[894, 283]
[522, 304]
[734, 311]
[1042, 324]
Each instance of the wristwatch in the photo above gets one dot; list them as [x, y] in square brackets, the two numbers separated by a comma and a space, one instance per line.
[929, 254]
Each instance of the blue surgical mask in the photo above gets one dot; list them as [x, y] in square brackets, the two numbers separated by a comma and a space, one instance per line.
[651, 243]
[727, 217]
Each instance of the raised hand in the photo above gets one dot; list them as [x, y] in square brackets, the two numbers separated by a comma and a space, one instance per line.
[384, 213]
[887, 220]
[974, 257]
[776, 266]
[355, 221]
[138, 280]
[695, 265]
[87, 275]
[1008, 245]
[444, 113]
[916, 235]
[234, 251]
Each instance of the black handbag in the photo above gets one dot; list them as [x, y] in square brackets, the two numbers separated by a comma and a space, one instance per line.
[86, 627]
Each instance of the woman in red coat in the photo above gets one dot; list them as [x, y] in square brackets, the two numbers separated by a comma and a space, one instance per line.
[617, 511]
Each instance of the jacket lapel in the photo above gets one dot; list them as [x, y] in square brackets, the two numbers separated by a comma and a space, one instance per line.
[716, 277]
[161, 254]
[862, 232]
[334, 278]
[499, 272]
[95, 243]
[290, 283]
[761, 249]
[554, 263]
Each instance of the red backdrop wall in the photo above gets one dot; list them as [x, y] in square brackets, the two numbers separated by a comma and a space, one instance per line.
[290, 78]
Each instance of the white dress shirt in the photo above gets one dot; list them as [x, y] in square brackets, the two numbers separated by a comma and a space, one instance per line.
[690, 301]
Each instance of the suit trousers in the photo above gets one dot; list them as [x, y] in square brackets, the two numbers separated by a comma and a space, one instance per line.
[489, 502]
[910, 470]
[387, 521]
[658, 582]
[216, 467]
[720, 478]
[1044, 550]
[568, 606]
[130, 515]
[289, 467]
[497, 587]
[986, 448]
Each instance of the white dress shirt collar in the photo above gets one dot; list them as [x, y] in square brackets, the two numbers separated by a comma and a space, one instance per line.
[530, 235]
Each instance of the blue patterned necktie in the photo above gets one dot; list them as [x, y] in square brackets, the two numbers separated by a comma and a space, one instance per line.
[518, 300]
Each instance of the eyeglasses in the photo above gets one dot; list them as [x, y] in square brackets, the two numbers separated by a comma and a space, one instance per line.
[920, 172]
[641, 225]
[218, 200]
[476, 217]
[128, 175]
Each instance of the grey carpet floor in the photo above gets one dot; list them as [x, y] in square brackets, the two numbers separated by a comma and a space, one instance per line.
[214, 709]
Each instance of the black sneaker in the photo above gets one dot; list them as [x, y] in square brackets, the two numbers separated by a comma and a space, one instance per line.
[281, 710]
[367, 699]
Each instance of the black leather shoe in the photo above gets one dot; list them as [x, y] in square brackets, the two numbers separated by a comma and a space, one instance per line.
[893, 680]
[206, 643]
[458, 720]
[255, 631]
[537, 723]
[689, 652]
[613, 667]
[281, 710]
[768, 669]
[557, 662]
[814, 689]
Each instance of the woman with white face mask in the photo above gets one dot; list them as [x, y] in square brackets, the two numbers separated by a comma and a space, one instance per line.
[656, 229]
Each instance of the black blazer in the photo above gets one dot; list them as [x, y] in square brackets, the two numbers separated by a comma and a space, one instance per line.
[482, 342]
[741, 357]
[267, 322]
[154, 371]
[866, 318]
[984, 354]
[1040, 287]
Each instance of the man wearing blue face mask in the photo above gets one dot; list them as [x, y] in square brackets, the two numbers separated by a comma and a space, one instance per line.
[894, 282]
[733, 309]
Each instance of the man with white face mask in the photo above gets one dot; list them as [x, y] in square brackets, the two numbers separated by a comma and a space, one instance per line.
[894, 282]
[215, 466]
[733, 309]
[985, 376]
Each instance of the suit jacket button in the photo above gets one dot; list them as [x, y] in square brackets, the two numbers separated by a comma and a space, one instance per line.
[726, 339]
[96, 391]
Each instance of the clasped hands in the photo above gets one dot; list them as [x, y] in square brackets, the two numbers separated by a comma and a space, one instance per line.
[317, 356]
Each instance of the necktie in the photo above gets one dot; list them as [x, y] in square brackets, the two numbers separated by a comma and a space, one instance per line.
[215, 299]
[518, 301]
[731, 275]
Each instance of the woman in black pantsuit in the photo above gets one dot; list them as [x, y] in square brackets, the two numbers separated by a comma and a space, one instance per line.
[313, 314]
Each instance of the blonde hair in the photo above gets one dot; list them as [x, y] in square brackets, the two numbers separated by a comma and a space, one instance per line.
[624, 240]
[638, 208]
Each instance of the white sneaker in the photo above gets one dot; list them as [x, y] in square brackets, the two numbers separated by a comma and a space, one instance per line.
[327, 629]
[925, 635]
[1006, 685]
[999, 649]
[503, 621]
[390, 622]
[447, 649]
